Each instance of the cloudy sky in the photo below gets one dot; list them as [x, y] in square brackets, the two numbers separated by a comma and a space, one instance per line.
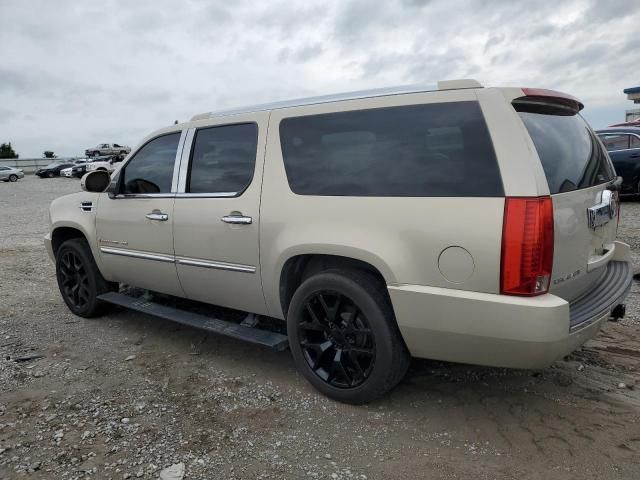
[75, 73]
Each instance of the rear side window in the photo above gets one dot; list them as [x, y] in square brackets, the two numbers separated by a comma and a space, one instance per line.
[223, 159]
[440, 150]
[571, 155]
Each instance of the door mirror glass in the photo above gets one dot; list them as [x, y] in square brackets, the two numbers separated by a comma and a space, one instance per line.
[96, 181]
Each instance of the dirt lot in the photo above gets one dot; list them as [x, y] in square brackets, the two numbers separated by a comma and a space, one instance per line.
[127, 395]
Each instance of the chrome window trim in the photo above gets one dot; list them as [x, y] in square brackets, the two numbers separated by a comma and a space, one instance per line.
[144, 195]
[234, 267]
[177, 161]
[137, 254]
[208, 195]
[184, 161]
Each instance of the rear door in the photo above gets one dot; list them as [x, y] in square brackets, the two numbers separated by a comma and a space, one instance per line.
[217, 213]
[578, 171]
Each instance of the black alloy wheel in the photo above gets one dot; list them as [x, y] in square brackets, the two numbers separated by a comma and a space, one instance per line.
[74, 279]
[343, 335]
[336, 339]
[79, 280]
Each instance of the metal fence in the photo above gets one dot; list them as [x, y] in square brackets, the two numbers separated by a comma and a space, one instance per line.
[30, 165]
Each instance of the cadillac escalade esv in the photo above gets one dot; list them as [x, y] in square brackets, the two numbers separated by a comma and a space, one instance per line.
[457, 223]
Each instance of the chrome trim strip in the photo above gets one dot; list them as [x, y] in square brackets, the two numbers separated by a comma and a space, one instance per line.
[137, 254]
[234, 267]
[207, 195]
[145, 195]
[176, 163]
[184, 162]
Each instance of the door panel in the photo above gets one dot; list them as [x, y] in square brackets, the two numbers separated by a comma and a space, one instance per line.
[134, 223]
[134, 249]
[217, 213]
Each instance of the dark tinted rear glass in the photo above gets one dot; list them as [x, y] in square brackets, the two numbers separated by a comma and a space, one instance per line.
[439, 150]
[571, 155]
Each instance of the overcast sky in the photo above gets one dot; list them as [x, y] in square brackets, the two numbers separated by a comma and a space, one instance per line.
[75, 73]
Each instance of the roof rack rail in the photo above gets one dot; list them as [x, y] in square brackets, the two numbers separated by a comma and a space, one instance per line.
[378, 92]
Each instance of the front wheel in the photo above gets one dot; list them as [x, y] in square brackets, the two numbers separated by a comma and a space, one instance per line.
[13, 178]
[79, 279]
[344, 338]
[49, 174]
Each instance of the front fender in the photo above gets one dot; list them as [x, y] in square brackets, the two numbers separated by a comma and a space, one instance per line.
[77, 211]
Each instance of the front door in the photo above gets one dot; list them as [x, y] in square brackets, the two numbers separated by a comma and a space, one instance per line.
[134, 224]
[217, 213]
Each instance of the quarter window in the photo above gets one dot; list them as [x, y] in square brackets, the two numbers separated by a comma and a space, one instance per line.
[223, 159]
[439, 150]
[151, 169]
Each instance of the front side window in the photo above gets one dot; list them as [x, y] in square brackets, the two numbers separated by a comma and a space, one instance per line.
[151, 169]
[440, 150]
[635, 142]
[223, 159]
[615, 142]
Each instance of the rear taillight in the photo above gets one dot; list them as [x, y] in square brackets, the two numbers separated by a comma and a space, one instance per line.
[527, 246]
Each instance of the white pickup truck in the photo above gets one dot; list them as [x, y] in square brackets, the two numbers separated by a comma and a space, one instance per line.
[103, 149]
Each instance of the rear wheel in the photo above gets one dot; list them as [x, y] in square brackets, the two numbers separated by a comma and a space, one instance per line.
[96, 153]
[13, 178]
[344, 338]
[79, 279]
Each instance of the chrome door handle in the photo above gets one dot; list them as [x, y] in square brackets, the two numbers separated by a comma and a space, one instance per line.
[157, 216]
[237, 219]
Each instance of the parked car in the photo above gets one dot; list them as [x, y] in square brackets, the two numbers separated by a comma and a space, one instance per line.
[103, 149]
[10, 174]
[362, 229]
[623, 145]
[104, 163]
[53, 169]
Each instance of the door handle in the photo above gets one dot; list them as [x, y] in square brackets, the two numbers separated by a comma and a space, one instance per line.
[237, 218]
[635, 155]
[158, 216]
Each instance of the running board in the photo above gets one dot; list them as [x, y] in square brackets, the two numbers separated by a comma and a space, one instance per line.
[274, 340]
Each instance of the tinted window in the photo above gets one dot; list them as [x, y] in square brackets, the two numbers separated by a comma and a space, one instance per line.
[615, 142]
[571, 155]
[635, 142]
[151, 169]
[420, 150]
[223, 159]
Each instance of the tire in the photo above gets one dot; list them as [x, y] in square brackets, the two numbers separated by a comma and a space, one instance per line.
[352, 351]
[49, 175]
[13, 178]
[123, 152]
[96, 153]
[79, 280]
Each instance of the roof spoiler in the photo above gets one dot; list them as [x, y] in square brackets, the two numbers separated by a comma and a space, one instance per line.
[542, 96]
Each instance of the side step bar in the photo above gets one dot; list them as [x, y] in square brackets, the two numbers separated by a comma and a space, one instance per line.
[274, 340]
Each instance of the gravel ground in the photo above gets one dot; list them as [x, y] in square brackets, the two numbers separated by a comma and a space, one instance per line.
[128, 395]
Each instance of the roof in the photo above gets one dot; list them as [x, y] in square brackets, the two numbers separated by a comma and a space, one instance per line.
[378, 92]
[631, 90]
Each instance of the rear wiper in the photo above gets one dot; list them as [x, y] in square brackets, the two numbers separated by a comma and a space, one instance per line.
[615, 185]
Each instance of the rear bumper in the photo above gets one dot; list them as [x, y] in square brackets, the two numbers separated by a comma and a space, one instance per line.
[501, 330]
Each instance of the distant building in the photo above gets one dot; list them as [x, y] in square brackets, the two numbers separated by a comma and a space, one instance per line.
[633, 94]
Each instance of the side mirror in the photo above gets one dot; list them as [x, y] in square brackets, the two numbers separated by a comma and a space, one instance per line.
[96, 181]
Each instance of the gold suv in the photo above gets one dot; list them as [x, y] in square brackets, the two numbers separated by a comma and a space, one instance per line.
[457, 223]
